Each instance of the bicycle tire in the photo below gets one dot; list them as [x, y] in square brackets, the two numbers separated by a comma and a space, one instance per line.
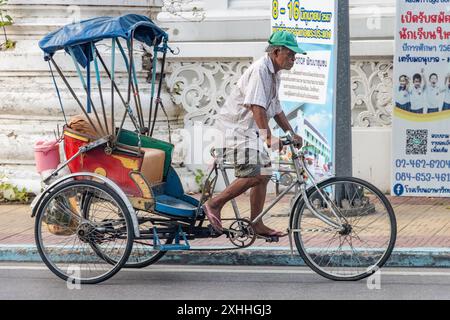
[126, 215]
[299, 209]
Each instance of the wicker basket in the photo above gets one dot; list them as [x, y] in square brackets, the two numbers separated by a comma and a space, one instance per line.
[62, 218]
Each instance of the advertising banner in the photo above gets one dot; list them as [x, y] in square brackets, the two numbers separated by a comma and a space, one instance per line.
[307, 91]
[421, 117]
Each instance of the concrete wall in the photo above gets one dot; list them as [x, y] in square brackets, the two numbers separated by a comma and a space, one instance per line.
[228, 35]
[372, 156]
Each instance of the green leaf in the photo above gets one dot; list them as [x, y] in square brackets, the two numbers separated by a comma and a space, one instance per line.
[10, 44]
[5, 186]
[8, 192]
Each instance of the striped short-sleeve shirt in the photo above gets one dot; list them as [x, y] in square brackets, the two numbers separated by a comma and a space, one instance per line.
[259, 86]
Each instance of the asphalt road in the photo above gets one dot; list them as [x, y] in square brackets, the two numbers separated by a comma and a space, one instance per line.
[35, 281]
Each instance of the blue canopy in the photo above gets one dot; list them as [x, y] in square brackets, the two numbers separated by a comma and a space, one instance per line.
[79, 35]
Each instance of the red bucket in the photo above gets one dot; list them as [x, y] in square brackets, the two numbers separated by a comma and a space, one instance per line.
[46, 155]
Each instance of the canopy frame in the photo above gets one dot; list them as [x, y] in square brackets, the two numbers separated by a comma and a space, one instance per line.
[102, 127]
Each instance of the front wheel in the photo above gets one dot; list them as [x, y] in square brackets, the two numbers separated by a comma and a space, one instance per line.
[366, 239]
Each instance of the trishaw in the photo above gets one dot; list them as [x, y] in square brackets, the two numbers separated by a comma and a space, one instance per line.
[123, 204]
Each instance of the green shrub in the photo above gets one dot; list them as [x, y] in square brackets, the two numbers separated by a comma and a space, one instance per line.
[10, 193]
[5, 21]
[199, 178]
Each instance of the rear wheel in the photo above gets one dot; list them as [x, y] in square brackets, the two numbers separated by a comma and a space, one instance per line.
[65, 236]
[142, 254]
[368, 235]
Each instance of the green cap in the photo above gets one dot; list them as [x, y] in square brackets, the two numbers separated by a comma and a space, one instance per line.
[285, 39]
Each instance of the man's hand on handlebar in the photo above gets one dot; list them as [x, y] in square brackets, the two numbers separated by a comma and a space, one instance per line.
[297, 141]
[278, 144]
[294, 139]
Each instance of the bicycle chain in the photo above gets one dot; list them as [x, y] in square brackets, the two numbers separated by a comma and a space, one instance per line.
[252, 241]
[229, 233]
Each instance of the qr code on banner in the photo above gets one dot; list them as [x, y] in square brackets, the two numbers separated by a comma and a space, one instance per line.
[416, 141]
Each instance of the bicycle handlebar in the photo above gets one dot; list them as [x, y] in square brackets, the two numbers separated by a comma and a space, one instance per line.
[288, 139]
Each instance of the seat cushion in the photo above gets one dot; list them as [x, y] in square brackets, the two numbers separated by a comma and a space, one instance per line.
[132, 139]
[174, 206]
[153, 165]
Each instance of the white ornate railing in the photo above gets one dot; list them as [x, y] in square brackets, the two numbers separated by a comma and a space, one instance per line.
[202, 87]
[371, 92]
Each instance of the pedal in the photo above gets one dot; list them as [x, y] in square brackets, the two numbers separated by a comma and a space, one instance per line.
[229, 233]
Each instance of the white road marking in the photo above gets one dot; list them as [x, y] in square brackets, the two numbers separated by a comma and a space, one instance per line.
[287, 270]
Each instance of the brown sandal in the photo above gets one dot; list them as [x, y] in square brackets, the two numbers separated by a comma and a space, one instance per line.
[273, 233]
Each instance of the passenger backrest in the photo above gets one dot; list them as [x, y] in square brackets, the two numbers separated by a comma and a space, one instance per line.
[153, 165]
[131, 139]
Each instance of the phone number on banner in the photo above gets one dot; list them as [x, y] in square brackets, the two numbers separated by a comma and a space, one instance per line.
[422, 176]
[432, 164]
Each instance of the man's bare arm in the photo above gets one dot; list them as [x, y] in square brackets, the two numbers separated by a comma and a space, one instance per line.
[283, 122]
[260, 116]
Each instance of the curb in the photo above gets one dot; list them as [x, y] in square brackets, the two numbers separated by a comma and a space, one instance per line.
[256, 256]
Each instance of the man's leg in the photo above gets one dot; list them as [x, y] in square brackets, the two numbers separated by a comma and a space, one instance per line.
[258, 193]
[257, 201]
[235, 189]
[249, 176]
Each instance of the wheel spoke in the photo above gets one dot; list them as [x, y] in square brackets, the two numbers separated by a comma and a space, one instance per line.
[348, 253]
[69, 235]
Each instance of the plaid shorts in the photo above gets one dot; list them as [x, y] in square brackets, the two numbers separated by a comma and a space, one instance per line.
[247, 162]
